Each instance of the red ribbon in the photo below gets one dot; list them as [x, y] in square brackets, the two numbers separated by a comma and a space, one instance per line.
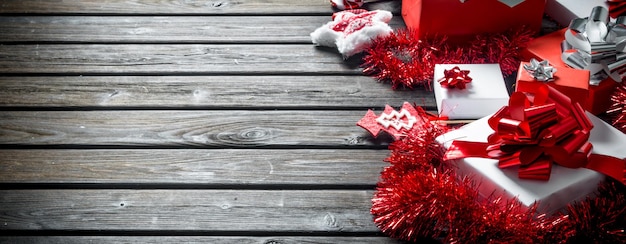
[536, 130]
[455, 78]
[616, 8]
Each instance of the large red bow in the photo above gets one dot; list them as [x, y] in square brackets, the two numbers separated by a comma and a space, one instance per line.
[536, 130]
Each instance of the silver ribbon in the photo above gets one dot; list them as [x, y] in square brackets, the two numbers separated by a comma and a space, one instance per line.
[541, 71]
[597, 44]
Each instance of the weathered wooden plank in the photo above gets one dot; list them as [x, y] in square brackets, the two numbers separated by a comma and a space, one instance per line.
[163, 29]
[197, 167]
[172, 59]
[214, 211]
[198, 239]
[166, 7]
[178, 128]
[205, 92]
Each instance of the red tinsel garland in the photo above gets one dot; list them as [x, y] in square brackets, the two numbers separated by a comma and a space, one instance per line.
[419, 197]
[618, 108]
[404, 60]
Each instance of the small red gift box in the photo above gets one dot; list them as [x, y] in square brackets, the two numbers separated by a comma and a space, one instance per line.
[459, 19]
[548, 47]
[574, 83]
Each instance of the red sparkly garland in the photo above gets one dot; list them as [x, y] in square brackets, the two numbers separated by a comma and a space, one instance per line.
[419, 197]
[618, 107]
[406, 61]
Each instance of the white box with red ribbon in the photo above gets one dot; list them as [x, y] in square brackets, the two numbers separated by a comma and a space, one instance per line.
[552, 188]
[483, 95]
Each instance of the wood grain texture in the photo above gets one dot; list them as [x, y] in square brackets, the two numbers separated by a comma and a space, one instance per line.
[173, 59]
[197, 239]
[206, 168]
[209, 92]
[212, 7]
[167, 121]
[187, 210]
[178, 128]
[163, 29]
[168, 7]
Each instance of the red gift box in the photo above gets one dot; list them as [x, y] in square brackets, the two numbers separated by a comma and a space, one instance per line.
[548, 47]
[458, 19]
[574, 83]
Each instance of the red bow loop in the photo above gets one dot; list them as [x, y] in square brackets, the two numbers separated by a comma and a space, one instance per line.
[536, 129]
[546, 132]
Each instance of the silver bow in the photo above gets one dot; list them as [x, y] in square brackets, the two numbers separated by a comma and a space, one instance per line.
[597, 44]
[541, 71]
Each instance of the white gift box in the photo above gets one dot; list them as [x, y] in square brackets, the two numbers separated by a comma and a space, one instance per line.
[484, 95]
[563, 11]
[565, 184]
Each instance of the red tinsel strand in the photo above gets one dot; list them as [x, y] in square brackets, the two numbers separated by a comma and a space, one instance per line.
[599, 219]
[617, 111]
[405, 61]
[421, 204]
[501, 221]
[502, 48]
[418, 198]
[417, 151]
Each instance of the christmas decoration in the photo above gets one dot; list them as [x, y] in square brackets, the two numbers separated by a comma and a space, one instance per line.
[455, 78]
[617, 111]
[575, 84]
[596, 44]
[406, 61]
[502, 48]
[351, 31]
[461, 20]
[540, 126]
[541, 71]
[616, 8]
[484, 95]
[420, 197]
[391, 121]
[597, 219]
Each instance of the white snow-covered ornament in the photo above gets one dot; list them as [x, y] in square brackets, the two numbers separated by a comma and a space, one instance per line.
[352, 31]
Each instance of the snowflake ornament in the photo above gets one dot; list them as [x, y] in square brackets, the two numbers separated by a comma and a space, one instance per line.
[395, 123]
[352, 31]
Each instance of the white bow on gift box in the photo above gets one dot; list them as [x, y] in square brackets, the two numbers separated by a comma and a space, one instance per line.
[597, 44]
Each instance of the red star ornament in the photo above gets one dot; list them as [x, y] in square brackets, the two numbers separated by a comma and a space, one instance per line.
[395, 123]
[352, 31]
